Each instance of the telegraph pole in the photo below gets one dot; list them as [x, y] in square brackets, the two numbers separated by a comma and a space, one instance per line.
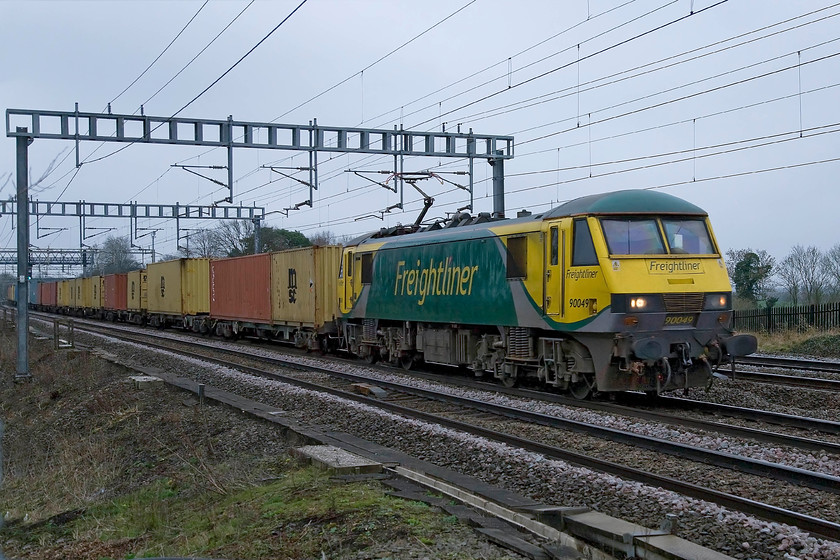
[22, 294]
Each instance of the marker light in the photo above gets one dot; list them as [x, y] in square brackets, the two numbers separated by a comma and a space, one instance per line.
[638, 303]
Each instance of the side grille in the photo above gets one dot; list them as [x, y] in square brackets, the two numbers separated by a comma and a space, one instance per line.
[683, 303]
[519, 343]
[369, 326]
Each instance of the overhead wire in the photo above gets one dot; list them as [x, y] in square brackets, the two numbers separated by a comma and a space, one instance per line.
[377, 61]
[562, 131]
[164, 85]
[581, 59]
[143, 73]
[213, 83]
[678, 87]
[531, 47]
[637, 36]
[207, 46]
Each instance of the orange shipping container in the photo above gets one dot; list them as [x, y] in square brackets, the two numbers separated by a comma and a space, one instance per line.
[47, 293]
[116, 292]
[240, 288]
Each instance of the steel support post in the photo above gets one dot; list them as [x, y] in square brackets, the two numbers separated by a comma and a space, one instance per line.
[256, 222]
[498, 164]
[22, 294]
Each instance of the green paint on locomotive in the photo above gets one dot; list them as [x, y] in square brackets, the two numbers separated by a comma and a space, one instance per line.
[456, 282]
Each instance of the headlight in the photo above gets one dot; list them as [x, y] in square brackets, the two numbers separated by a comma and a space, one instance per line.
[637, 303]
[716, 302]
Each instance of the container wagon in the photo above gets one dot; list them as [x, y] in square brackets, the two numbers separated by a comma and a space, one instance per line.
[179, 293]
[114, 296]
[285, 295]
[137, 303]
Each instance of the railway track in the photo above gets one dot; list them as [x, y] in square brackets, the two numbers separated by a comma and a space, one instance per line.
[798, 381]
[791, 363]
[471, 408]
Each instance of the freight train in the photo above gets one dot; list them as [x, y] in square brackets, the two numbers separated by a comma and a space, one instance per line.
[610, 292]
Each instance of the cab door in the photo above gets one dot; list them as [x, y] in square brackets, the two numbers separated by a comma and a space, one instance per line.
[585, 287]
[555, 270]
[345, 282]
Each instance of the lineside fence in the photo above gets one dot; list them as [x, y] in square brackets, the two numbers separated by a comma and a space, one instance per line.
[824, 316]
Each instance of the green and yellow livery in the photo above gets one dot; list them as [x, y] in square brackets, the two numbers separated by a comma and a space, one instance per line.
[611, 292]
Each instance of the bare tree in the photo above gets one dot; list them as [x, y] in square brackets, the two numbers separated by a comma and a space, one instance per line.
[231, 236]
[803, 273]
[327, 237]
[790, 279]
[203, 243]
[831, 263]
[115, 255]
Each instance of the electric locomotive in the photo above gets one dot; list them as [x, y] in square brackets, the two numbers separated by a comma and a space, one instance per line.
[610, 292]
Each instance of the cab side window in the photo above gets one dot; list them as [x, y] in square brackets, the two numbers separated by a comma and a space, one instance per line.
[367, 268]
[583, 250]
[517, 257]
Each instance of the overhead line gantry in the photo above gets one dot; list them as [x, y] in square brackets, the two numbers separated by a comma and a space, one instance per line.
[26, 125]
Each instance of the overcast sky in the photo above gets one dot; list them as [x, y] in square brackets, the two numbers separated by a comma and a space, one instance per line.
[731, 105]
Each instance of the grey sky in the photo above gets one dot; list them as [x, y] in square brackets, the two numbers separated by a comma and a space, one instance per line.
[733, 108]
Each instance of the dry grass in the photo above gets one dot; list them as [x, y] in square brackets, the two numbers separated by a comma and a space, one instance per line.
[96, 469]
[809, 342]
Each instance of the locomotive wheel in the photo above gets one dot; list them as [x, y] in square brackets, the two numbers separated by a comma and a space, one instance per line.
[407, 362]
[509, 381]
[582, 389]
[372, 356]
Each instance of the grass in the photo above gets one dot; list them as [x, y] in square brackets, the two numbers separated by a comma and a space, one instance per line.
[95, 469]
[824, 344]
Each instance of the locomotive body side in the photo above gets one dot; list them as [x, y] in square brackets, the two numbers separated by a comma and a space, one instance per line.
[550, 296]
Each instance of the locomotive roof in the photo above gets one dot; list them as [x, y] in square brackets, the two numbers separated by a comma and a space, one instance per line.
[613, 203]
[626, 202]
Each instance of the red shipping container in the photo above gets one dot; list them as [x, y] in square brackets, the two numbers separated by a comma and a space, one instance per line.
[47, 294]
[116, 292]
[240, 288]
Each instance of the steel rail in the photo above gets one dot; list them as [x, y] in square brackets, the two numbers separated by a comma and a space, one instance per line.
[818, 481]
[809, 523]
[785, 380]
[637, 399]
[790, 363]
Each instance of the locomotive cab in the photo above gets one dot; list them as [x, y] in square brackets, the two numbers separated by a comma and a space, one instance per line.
[658, 273]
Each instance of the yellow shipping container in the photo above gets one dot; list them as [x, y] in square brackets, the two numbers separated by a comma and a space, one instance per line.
[77, 300]
[179, 287]
[304, 284]
[64, 290]
[96, 292]
[136, 297]
[86, 299]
